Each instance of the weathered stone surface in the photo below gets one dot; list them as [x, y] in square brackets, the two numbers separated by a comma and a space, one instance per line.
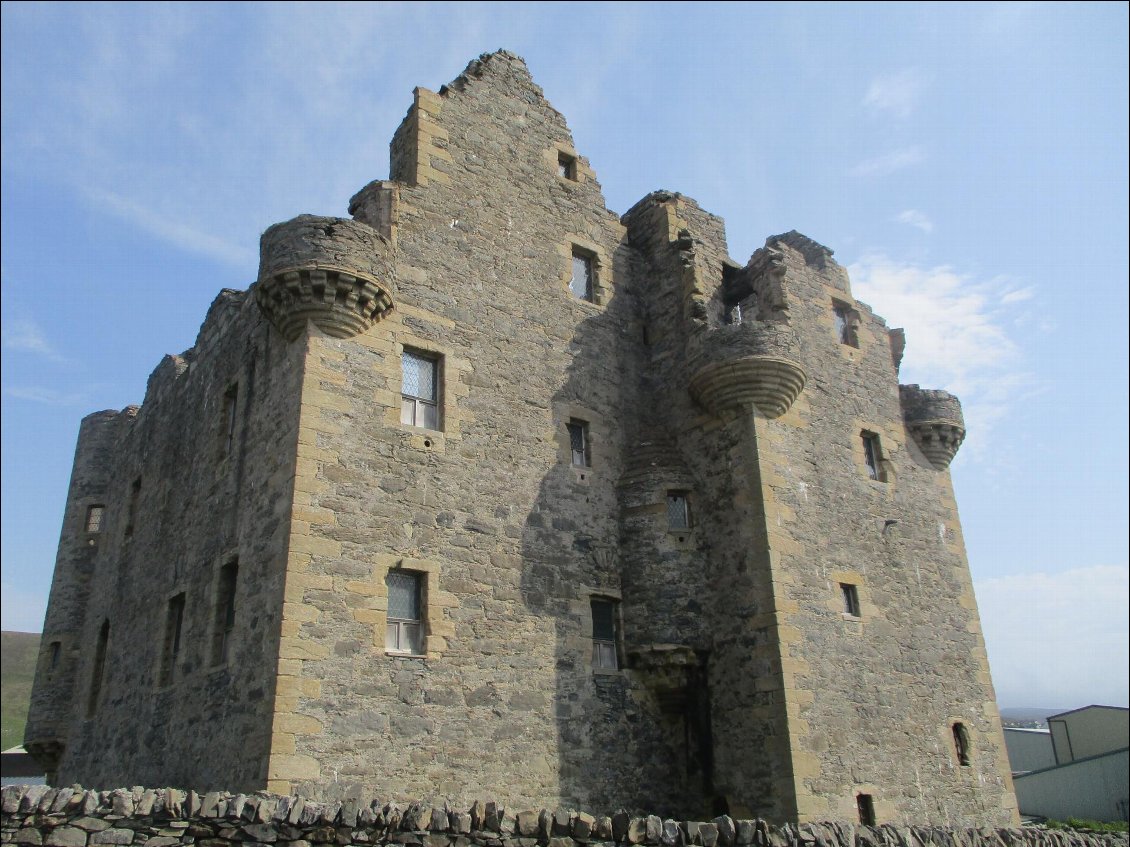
[66, 836]
[539, 418]
[122, 836]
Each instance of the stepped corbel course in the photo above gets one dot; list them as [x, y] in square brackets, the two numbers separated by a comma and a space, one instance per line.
[934, 419]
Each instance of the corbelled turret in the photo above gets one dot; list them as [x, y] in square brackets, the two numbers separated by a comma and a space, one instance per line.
[934, 419]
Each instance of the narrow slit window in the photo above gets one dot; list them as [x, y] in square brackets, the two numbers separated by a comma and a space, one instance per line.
[98, 670]
[230, 398]
[224, 623]
[865, 805]
[873, 456]
[581, 283]
[53, 652]
[604, 634]
[850, 594]
[678, 510]
[174, 620]
[131, 514]
[94, 516]
[405, 631]
[579, 443]
[961, 743]
[420, 390]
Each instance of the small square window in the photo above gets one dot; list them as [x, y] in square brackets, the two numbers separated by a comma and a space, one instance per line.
[678, 510]
[94, 516]
[850, 594]
[873, 456]
[419, 390]
[581, 283]
[579, 443]
[567, 166]
[405, 631]
[604, 634]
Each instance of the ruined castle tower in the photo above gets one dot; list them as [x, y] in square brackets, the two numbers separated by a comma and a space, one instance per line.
[488, 492]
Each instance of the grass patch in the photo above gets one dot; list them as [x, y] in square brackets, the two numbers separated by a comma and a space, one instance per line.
[1088, 826]
[18, 654]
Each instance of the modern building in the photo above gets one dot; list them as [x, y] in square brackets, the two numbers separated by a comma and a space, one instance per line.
[489, 492]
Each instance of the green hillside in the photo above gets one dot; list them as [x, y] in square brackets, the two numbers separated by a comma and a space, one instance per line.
[18, 652]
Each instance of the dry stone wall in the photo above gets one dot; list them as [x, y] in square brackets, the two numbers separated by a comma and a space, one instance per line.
[38, 816]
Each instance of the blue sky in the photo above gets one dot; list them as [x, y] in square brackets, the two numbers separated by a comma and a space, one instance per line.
[967, 163]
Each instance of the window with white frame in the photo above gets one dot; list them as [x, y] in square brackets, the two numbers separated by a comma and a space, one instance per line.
[405, 631]
[604, 634]
[419, 390]
[94, 516]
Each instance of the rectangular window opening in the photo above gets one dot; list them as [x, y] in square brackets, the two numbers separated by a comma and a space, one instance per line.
[961, 743]
[419, 390]
[224, 622]
[866, 807]
[174, 620]
[98, 670]
[847, 323]
[678, 510]
[581, 283]
[53, 652]
[605, 631]
[131, 514]
[94, 515]
[850, 594]
[567, 166]
[230, 398]
[579, 446]
[405, 631]
[873, 456]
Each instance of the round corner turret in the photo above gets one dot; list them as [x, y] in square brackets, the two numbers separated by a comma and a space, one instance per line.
[748, 363]
[935, 421]
[334, 272]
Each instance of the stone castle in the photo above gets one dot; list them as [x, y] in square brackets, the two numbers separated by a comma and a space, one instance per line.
[487, 491]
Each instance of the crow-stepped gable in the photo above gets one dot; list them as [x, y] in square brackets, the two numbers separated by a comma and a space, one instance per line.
[487, 491]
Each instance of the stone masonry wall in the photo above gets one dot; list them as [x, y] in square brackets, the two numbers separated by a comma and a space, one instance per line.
[71, 817]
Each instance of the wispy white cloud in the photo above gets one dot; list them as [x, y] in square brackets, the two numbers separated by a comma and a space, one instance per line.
[957, 330]
[46, 396]
[1017, 295]
[889, 163]
[914, 218]
[1057, 639]
[174, 232]
[24, 335]
[896, 93]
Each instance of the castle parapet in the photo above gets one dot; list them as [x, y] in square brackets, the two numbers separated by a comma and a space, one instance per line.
[753, 362]
[334, 272]
[935, 421]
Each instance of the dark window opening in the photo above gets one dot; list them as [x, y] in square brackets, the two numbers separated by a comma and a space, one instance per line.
[873, 456]
[961, 743]
[94, 516]
[567, 166]
[174, 620]
[866, 807]
[419, 390]
[224, 623]
[98, 670]
[579, 443]
[131, 514]
[678, 510]
[604, 634]
[847, 323]
[581, 283]
[405, 630]
[53, 652]
[851, 599]
[230, 398]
